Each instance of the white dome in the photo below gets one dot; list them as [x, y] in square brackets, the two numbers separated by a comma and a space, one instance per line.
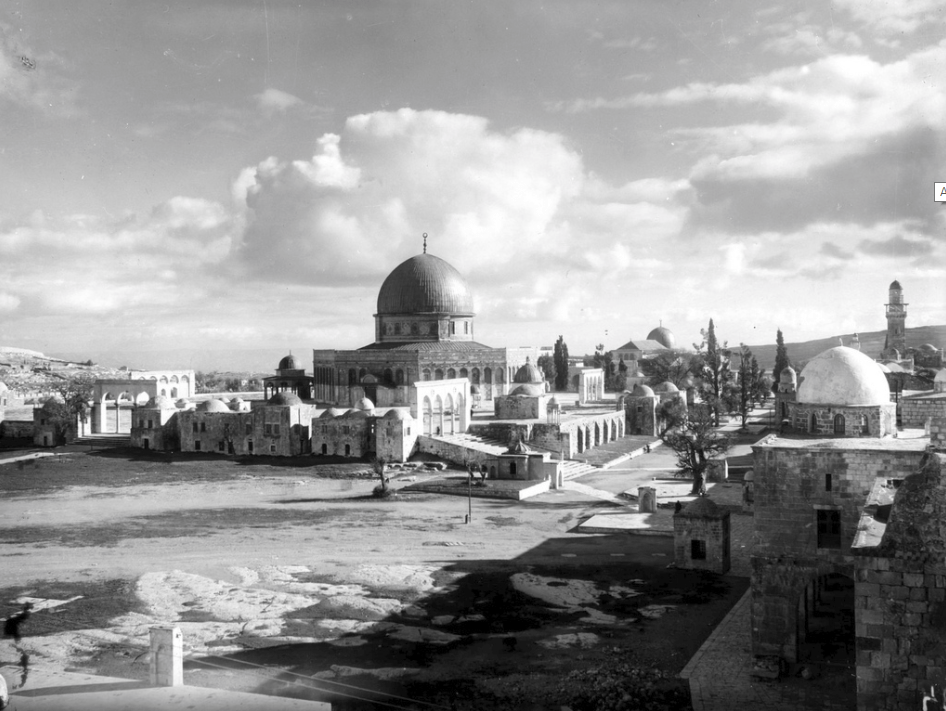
[843, 376]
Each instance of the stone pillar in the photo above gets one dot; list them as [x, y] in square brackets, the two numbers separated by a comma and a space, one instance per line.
[647, 499]
[167, 656]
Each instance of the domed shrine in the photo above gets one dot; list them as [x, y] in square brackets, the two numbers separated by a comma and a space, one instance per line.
[290, 378]
[841, 393]
[529, 397]
[424, 331]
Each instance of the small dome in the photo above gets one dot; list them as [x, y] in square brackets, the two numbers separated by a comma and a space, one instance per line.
[213, 405]
[788, 375]
[749, 476]
[634, 370]
[928, 348]
[554, 404]
[843, 376]
[666, 387]
[425, 284]
[182, 403]
[895, 285]
[641, 390]
[364, 404]
[238, 405]
[161, 402]
[397, 414]
[332, 412]
[940, 376]
[528, 374]
[663, 336]
[285, 399]
[883, 368]
[702, 507]
[355, 414]
[528, 390]
[288, 363]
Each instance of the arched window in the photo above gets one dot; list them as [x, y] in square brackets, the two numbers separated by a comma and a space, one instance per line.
[414, 328]
[352, 376]
[475, 379]
[362, 372]
[397, 329]
[438, 374]
[425, 374]
[399, 377]
[865, 425]
[464, 373]
[839, 424]
[388, 376]
[451, 373]
[466, 327]
[512, 469]
[812, 423]
[453, 328]
[501, 375]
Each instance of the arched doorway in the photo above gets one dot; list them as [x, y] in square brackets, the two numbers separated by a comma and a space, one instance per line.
[825, 629]
[581, 440]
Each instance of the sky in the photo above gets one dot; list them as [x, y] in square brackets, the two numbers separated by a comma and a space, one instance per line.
[238, 175]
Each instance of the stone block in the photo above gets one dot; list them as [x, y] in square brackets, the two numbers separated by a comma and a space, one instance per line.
[917, 606]
[936, 594]
[880, 660]
[918, 594]
[868, 589]
[913, 580]
[889, 578]
[919, 660]
[869, 674]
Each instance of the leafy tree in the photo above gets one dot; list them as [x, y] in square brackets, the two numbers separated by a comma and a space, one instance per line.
[76, 393]
[752, 387]
[671, 414]
[716, 378]
[672, 366]
[560, 358]
[694, 443]
[782, 360]
[546, 364]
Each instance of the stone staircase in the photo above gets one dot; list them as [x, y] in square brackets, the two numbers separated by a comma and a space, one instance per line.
[105, 441]
[572, 469]
[475, 442]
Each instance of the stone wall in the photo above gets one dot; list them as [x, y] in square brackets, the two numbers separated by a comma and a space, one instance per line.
[452, 452]
[514, 407]
[395, 440]
[881, 420]
[155, 429]
[916, 410]
[641, 413]
[791, 486]
[347, 435]
[713, 533]
[900, 613]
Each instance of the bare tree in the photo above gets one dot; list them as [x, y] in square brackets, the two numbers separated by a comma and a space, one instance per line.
[695, 442]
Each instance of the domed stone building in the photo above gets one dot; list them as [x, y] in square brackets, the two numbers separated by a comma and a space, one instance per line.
[659, 340]
[820, 505]
[424, 331]
[842, 393]
[529, 397]
[290, 378]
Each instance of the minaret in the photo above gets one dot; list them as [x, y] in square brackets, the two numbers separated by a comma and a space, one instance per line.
[896, 320]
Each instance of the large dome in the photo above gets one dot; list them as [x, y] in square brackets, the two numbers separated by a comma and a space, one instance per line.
[664, 336]
[843, 376]
[528, 374]
[425, 284]
[289, 362]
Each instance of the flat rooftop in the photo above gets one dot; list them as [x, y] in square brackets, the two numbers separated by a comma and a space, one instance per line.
[907, 440]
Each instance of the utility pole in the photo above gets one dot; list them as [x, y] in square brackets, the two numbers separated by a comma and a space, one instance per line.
[469, 490]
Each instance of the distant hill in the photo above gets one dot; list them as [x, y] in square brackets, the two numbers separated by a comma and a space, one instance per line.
[872, 343]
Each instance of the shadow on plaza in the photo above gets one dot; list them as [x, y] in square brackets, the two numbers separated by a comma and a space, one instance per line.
[478, 633]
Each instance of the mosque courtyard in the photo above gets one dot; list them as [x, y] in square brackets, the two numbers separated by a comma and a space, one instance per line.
[291, 579]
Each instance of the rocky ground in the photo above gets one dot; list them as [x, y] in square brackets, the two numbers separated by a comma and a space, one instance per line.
[291, 579]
